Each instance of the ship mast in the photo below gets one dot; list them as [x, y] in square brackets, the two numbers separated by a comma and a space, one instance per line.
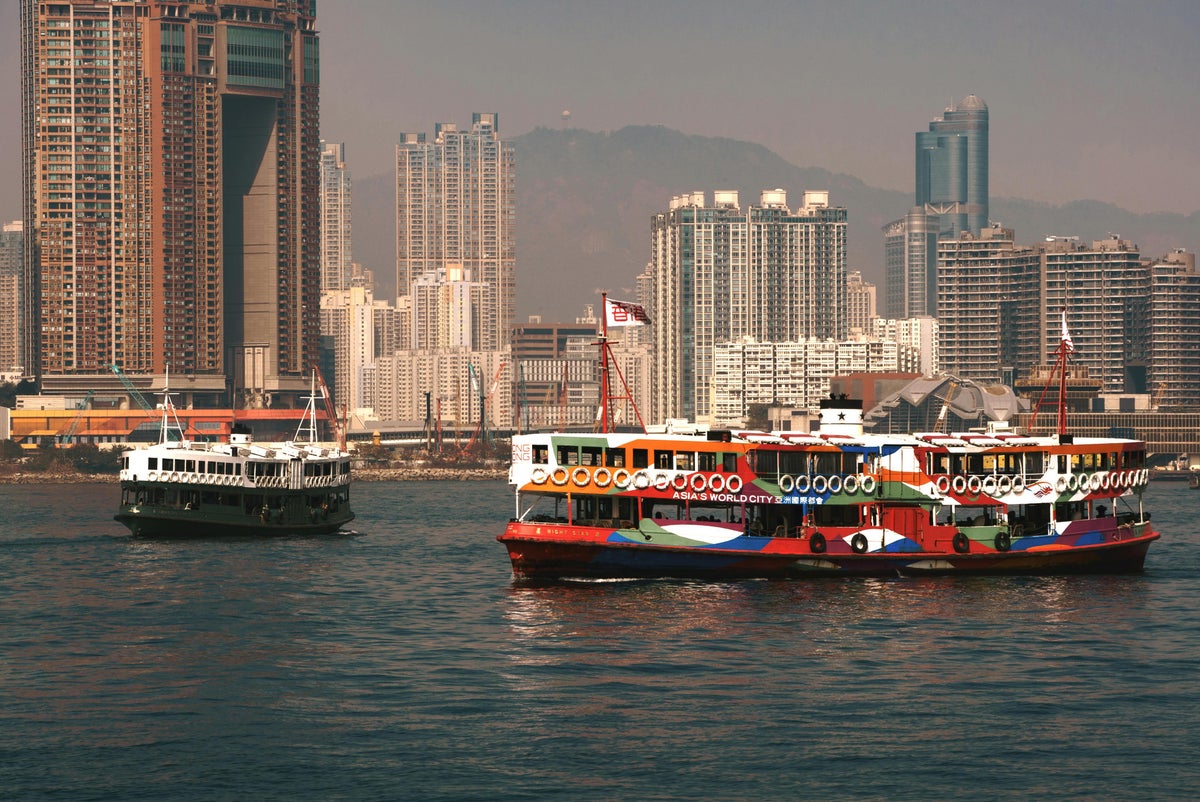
[606, 356]
[1066, 347]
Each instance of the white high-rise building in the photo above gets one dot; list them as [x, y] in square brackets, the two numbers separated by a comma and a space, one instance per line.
[719, 273]
[337, 253]
[353, 318]
[455, 204]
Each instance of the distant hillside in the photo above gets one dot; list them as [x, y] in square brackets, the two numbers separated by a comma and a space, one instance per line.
[585, 199]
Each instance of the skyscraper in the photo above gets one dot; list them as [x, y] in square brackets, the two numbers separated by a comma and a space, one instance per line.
[11, 240]
[337, 252]
[720, 272]
[171, 192]
[455, 204]
[952, 166]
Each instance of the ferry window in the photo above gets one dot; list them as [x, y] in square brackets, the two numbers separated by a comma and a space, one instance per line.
[794, 463]
[974, 463]
[191, 466]
[614, 457]
[958, 463]
[662, 459]
[541, 455]
[939, 463]
[683, 461]
[591, 455]
[1090, 461]
[989, 463]
[729, 463]
[640, 458]
[1035, 462]
[706, 461]
[766, 463]
[835, 515]
[826, 463]
[849, 463]
[153, 463]
[568, 455]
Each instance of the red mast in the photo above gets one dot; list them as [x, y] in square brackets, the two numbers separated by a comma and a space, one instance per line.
[1066, 347]
[637, 316]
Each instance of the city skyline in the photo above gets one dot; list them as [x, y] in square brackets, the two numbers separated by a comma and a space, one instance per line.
[1086, 83]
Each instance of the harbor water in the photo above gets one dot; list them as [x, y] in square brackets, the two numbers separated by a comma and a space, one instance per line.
[402, 662]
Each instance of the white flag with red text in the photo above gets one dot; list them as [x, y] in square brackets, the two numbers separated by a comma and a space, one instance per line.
[1066, 335]
[623, 313]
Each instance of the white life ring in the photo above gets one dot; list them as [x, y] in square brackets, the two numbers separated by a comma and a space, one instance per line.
[1073, 482]
[602, 477]
[560, 476]
[698, 482]
[539, 476]
[734, 483]
[152, 477]
[662, 481]
[786, 483]
[679, 482]
[867, 483]
[580, 476]
[174, 477]
[1018, 484]
[959, 484]
[850, 484]
[974, 485]
[621, 478]
[835, 484]
[942, 483]
[641, 480]
[1085, 482]
[803, 483]
[1106, 481]
[716, 483]
[1004, 484]
[989, 484]
[820, 484]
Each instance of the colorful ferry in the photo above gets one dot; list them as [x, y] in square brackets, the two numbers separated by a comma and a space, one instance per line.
[181, 488]
[689, 502]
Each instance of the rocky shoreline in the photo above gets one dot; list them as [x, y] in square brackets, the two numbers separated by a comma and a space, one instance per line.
[359, 475]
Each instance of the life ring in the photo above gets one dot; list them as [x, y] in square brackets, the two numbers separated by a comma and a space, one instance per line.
[1003, 541]
[850, 484]
[621, 478]
[816, 543]
[942, 483]
[803, 483]
[560, 476]
[835, 484]
[786, 483]
[1106, 481]
[152, 477]
[602, 477]
[538, 476]
[962, 543]
[716, 483]
[989, 485]
[174, 477]
[1018, 484]
[698, 482]
[820, 484]
[974, 485]
[858, 543]
[580, 476]
[1085, 482]
[662, 482]
[734, 480]
[679, 482]
[959, 484]
[1073, 482]
[867, 483]
[1062, 484]
[641, 480]
[1004, 484]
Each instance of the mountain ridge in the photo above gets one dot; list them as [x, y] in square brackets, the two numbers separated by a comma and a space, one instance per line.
[585, 200]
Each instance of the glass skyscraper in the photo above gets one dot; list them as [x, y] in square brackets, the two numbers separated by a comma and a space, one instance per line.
[952, 167]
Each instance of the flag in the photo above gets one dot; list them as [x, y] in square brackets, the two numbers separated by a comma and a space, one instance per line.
[1066, 335]
[622, 313]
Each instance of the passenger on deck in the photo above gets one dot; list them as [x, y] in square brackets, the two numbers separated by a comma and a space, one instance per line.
[1101, 511]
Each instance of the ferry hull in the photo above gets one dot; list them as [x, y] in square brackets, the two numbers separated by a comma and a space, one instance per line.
[540, 558]
[150, 523]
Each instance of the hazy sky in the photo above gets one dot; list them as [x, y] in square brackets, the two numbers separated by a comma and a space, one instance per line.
[1088, 99]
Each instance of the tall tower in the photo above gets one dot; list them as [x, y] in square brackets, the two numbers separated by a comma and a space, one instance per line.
[337, 253]
[952, 166]
[720, 272]
[455, 204]
[172, 192]
[11, 302]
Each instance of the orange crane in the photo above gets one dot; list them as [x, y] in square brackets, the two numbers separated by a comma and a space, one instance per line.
[336, 422]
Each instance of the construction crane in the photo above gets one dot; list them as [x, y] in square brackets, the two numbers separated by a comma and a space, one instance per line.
[138, 398]
[339, 430]
[68, 436]
[941, 418]
[481, 427]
